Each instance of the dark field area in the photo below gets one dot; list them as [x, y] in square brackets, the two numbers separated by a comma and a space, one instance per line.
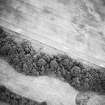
[14, 99]
[24, 59]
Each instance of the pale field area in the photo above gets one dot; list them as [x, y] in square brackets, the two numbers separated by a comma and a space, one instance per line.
[42, 88]
[68, 25]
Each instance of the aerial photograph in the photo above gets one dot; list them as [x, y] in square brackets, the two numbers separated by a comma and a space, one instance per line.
[52, 52]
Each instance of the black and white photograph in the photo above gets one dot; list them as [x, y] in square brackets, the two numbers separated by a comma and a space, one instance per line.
[52, 52]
